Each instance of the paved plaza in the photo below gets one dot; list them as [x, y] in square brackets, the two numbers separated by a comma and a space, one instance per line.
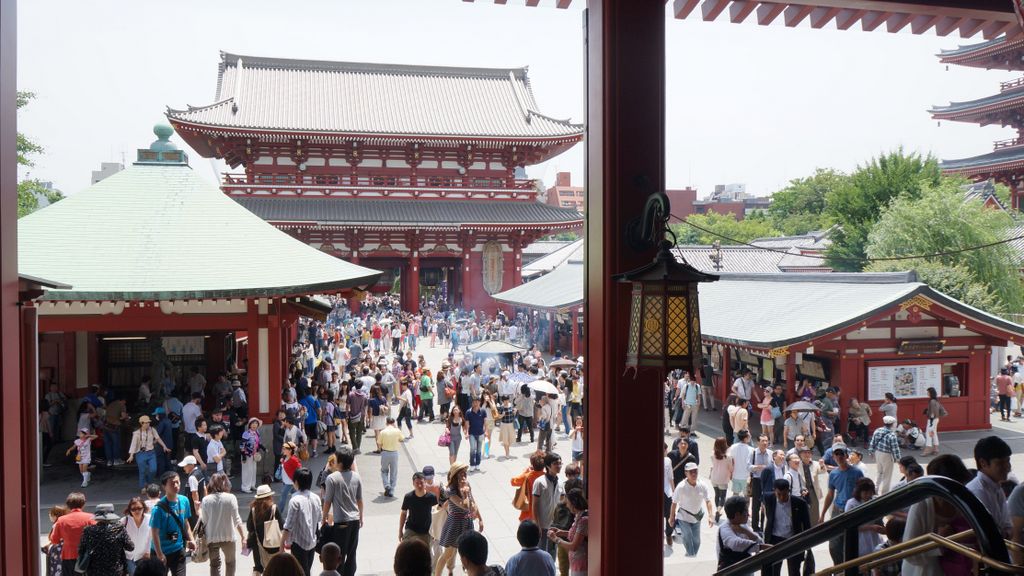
[491, 487]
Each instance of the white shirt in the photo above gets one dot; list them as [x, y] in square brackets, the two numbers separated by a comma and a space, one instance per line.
[734, 541]
[783, 519]
[667, 478]
[796, 480]
[141, 536]
[189, 413]
[740, 453]
[213, 449]
[993, 497]
[743, 388]
[690, 498]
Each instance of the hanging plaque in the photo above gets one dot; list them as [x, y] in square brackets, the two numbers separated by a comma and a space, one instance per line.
[493, 268]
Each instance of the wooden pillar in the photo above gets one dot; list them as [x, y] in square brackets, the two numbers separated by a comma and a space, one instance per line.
[413, 290]
[626, 142]
[464, 279]
[575, 333]
[517, 263]
[551, 332]
[257, 384]
[726, 383]
[276, 348]
[791, 386]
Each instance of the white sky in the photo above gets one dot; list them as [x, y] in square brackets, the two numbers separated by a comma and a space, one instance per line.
[746, 103]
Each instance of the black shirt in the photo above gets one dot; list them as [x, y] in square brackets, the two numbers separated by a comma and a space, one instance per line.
[419, 509]
[679, 465]
[197, 442]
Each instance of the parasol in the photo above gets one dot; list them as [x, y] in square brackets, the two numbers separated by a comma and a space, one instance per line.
[802, 406]
[496, 347]
[543, 386]
[563, 363]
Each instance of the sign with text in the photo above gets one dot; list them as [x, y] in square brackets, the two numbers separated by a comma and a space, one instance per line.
[184, 345]
[906, 381]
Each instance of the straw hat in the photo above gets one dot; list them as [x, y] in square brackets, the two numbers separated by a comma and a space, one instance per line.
[264, 491]
[455, 469]
[259, 423]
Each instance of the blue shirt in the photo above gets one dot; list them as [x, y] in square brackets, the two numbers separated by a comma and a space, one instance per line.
[843, 482]
[171, 537]
[476, 421]
[530, 562]
[312, 405]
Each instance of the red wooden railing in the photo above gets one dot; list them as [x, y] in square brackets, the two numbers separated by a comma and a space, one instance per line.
[1007, 143]
[1004, 86]
[287, 180]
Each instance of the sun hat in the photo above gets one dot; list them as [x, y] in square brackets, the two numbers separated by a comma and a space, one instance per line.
[187, 461]
[105, 513]
[264, 491]
[257, 420]
[289, 445]
[144, 419]
[455, 469]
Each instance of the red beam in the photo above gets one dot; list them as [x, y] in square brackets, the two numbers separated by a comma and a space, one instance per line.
[530, 3]
[739, 11]
[143, 323]
[970, 27]
[947, 25]
[822, 16]
[898, 22]
[711, 9]
[842, 345]
[847, 18]
[563, 3]
[922, 24]
[873, 20]
[682, 8]
[995, 29]
[768, 12]
[796, 14]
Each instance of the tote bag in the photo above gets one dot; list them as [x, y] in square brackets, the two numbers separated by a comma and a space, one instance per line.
[272, 531]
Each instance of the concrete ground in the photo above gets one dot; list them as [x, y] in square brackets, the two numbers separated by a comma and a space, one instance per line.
[491, 488]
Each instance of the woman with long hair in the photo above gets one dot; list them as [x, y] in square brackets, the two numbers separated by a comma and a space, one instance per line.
[341, 419]
[869, 534]
[454, 424]
[136, 524]
[261, 511]
[462, 510]
[574, 540]
[219, 511]
[721, 473]
[933, 412]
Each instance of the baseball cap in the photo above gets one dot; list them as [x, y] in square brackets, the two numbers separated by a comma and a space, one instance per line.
[888, 420]
[187, 461]
[428, 471]
[840, 448]
[83, 430]
[690, 466]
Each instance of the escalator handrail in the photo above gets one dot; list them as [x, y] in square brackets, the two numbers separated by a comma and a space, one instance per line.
[989, 538]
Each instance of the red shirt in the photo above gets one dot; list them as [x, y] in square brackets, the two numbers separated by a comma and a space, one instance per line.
[69, 529]
[291, 465]
[1004, 385]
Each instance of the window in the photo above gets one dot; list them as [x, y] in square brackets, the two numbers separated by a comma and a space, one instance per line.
[325, 180]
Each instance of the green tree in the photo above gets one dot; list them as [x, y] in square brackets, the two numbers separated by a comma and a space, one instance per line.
[937, 220]
[30, 190]
[872, 187]
[723, 226]
[800, 207]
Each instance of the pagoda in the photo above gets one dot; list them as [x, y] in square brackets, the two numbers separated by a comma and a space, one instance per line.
[413, 170]
[1005, 164]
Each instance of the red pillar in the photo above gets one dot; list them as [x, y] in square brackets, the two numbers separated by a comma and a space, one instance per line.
[464, 279]
[413, 290]
[575, 334]
[253, 373]
[626, 141]
[790, 387]
[275, 368]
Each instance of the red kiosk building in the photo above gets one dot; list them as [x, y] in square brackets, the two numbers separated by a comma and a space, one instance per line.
[1005, 164]
[414, 170]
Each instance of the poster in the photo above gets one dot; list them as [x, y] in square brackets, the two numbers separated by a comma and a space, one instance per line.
[909, 381]
[184, 345]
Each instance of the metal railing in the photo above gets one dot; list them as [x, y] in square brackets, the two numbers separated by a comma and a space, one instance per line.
[990, 541]
[1009, 143]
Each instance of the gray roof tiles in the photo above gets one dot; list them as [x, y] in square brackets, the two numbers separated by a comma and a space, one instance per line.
[1000, 156]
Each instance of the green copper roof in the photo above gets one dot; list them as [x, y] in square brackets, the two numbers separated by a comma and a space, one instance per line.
[160, 232]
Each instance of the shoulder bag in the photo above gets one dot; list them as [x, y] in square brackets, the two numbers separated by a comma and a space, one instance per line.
[82, 563]
[202, 551]
[272, 531]
[445, 439]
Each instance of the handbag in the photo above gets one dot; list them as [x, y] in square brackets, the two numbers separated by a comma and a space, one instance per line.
[437, 520]
[82, 563]
[776, 412]
[304, 452]
[324, 535]
[445, 439]
[272, 531]
[202, 551]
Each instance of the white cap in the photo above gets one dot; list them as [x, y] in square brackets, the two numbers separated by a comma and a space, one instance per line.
[690, 466]
[888, 420]
[187, 461]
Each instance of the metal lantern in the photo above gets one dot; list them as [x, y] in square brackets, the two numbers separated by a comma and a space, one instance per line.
[664, 323]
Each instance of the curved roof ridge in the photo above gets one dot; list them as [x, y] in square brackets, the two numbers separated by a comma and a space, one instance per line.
[229, 59]
[968, 48]
[977, 102]
[191, 108]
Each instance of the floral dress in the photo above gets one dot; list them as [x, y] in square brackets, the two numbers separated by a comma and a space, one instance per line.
[459, 522]
[578, 557]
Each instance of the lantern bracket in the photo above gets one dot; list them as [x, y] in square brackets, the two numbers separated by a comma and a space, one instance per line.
[648, 230]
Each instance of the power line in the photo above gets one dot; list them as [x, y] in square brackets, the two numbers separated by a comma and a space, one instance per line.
[851, 259]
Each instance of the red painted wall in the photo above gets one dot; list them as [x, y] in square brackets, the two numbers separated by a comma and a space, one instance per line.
[682, 203]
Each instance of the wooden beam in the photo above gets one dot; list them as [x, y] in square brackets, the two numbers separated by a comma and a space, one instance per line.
[921, 24]
[563, 4]
[993, 29]
[711, 9]
[873, 20]
[970, 26]
[682, 8]
[822, 16]
[768, 12]
[796, 14]
[739, 11]
[531, 3]
[947, 25]
[897, 22]
[842, 345]
[847, 18]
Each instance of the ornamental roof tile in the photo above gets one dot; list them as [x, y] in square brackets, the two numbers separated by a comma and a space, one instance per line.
[160, 232]
[379, 99]
[407, 213]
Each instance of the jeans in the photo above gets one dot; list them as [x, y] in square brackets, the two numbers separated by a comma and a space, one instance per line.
[1004, 406]
[525, 423]
[286, 495]
[691, 536]
[228, 548]
[389, 469]
[112, 445]
[305, 558]
[176, 563]
[476, 443]
[147, 467]
[404, 414]
[566, 425]
[346, 536]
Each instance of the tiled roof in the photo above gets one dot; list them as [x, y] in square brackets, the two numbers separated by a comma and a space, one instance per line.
[373, 211]
[815, 240]
[958, 107]
[749, 259]
[1016, 246]
[378, 99]
[160, 232]
[982, 191]
[1006, 155]
[573, 252]
[557, 290]
[977, 47]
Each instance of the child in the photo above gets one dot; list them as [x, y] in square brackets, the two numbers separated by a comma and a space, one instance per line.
[53, 551]
[330, 557]
[84, 456]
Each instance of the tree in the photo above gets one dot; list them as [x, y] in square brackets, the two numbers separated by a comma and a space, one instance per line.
[940, 220]
[800, 207]
[723, 227]
[30, 190]
[872, 187]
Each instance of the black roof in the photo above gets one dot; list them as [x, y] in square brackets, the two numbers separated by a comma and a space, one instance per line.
[1003, 155]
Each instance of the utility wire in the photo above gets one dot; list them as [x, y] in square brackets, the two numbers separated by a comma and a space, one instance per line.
[851, 259]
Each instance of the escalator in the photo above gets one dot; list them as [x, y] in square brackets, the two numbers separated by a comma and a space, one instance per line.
[989, 551]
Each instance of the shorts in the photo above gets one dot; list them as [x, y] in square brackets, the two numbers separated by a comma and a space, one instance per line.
[311, 431]
[739, 486]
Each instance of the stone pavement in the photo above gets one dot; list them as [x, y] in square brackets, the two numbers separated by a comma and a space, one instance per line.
[491, 488]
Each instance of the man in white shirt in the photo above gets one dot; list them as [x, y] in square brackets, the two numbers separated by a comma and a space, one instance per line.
[689, 499]
[196, 381]
[743, 387]
[191, 411]
[785, 517]
[992, 457]
[741, 453]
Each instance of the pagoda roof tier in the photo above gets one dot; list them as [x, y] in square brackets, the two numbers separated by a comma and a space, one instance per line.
[160, 232]
[1003, 108]
[362, 100]
[1000, 53]
[1002, 159]
[433, 214]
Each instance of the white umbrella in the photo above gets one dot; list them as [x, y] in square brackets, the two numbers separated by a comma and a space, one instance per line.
[543, 386]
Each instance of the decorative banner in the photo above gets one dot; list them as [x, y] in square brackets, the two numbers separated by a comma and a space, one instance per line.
[494, 267]
[184, 345]
[903, 381]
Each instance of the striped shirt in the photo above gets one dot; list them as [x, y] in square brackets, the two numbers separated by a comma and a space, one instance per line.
[884, 440]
